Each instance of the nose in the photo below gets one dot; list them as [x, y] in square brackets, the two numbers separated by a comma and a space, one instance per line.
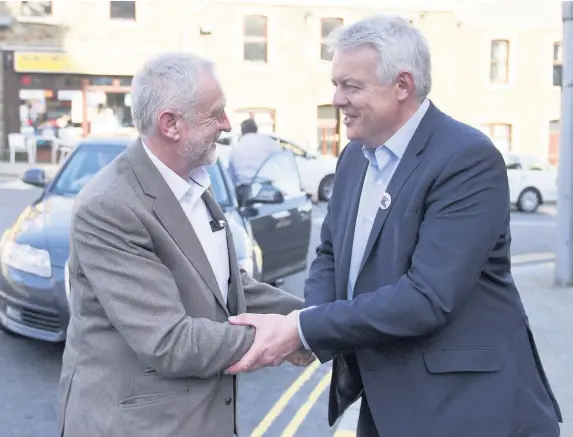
[224, 123]
[339, 100]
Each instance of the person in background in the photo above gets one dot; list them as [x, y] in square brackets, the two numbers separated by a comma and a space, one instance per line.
[248, 155]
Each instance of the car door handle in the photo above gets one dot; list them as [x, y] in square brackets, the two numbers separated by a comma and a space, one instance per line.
[280, 215]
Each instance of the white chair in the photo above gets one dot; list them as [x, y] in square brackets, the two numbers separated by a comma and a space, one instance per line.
[19, 143]
[50, 135]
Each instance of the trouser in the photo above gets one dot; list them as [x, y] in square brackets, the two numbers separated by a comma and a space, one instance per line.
[366, 426]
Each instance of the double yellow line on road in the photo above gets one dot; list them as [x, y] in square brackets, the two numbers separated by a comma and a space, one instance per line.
[283, 401]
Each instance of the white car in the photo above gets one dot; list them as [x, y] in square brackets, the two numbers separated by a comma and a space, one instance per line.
[316, 171]
[532, 181]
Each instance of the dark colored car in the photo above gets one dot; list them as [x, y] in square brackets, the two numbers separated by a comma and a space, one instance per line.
[271, 233]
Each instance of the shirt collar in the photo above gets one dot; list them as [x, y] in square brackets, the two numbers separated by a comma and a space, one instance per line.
[199, 180]
[398, 142]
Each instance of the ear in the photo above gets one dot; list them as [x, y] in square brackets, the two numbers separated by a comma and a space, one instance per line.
[169, 125]
[405, 85]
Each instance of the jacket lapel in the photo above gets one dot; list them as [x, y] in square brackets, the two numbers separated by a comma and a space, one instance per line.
[344, 270]
[169, 212]
[406, 167]
[235, 277]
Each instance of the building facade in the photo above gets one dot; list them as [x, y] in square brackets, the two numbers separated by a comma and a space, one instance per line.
[494, 66]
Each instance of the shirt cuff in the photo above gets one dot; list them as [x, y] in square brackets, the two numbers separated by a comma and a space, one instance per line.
[300, 334]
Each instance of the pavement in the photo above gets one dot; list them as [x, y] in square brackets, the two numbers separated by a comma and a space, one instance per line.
[550, 311]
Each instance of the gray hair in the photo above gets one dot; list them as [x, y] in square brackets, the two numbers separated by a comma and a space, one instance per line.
[400, 47]
[166, 81]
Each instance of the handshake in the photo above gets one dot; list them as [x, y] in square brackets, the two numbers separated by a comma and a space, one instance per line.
[276, 340]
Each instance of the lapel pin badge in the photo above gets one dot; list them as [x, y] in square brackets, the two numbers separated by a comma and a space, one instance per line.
[385, 201]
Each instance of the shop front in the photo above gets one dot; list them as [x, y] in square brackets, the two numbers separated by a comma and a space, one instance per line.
[48, 95]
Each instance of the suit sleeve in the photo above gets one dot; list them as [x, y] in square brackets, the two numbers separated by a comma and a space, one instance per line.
[141, 299]
[467, 210]
[266, 299]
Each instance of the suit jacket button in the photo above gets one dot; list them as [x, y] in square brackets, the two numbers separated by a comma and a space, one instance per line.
[228, 401]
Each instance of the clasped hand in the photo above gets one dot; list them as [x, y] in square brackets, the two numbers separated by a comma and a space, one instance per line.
[276, 340]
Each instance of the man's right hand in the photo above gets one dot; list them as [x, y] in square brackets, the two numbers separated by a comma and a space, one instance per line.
[301, 358]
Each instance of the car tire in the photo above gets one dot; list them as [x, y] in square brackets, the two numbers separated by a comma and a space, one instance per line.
[325, 188]
[529, 200]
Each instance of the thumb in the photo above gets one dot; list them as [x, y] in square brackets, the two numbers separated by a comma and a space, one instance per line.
[241, 319]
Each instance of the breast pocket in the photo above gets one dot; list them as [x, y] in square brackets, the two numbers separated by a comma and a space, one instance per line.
[475, 359]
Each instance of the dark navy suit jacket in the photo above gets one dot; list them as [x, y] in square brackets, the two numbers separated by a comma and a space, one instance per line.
[442, 341]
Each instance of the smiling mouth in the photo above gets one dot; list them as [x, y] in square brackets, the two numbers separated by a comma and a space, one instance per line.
[348, 118]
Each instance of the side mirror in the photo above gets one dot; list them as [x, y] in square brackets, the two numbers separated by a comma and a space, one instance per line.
[35, 177]
[265, 193]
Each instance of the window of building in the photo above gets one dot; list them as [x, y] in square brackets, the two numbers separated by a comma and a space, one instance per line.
[36, 9]
[255, 44]
[499, 62]
[553, 149]
[557, 64]
[328, 128]
[122, 10]
[327, 25]
[500, 134]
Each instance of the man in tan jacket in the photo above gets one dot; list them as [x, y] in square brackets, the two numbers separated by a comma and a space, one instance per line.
[153, 282]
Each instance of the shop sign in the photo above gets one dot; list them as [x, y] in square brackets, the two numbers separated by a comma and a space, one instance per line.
[43, 62]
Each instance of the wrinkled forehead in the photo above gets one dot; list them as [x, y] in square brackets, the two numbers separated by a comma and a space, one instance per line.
[210, 95]
[355, 64]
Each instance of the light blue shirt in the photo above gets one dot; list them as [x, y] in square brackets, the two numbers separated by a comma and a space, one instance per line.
[382, 163]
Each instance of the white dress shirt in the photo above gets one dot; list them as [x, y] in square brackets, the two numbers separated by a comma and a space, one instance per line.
[382, 163]
[188, 193]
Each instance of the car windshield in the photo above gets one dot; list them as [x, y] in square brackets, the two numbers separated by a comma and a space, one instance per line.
[83, 165]
[89, 159]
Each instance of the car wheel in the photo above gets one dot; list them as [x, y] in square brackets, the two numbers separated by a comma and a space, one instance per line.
[529, 200]
[325, 188]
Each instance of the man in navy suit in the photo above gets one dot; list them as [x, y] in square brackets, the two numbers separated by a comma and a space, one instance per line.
[411, 292]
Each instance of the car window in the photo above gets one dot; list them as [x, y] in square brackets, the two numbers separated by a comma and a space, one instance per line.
[535, 164]
[89, 159]
[294, 149]
[83, 165]
[512, 162]
[281, 169]
[226, 141]
[218, 186]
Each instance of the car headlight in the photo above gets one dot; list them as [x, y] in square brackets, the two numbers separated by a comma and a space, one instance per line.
[27, 258]
[247, 265]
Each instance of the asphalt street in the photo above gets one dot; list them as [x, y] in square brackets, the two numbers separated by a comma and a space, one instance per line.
[277, 402]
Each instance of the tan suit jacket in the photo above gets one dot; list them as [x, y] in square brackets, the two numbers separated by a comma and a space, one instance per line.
[148, 338]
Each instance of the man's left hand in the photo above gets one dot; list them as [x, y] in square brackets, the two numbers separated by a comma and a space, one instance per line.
[276, 338]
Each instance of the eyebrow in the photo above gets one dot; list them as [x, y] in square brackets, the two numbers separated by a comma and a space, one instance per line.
[348, 80]
[219, 108]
